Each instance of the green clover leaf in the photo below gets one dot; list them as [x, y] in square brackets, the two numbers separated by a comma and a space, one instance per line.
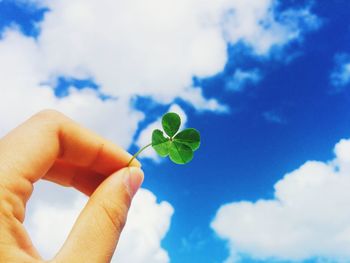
[179, 146]
[190, 137]
[160, 144]
[171, 123]
[180, 153]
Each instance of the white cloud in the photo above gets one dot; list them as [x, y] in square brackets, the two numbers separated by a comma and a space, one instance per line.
[145, 48]
[155, 47]
[151, 48]
[308, 217]
[145, 136]
[49, 224]
[242, 78]
[22, 94]
[195, 97]
[143, 237]
[257, 24]
[148, 222]
[340, 76]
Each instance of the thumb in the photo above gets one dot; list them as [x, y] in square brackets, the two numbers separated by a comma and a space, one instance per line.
[98, 227]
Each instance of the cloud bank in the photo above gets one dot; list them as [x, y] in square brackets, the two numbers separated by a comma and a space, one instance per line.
[309, 216]
[148, 222]
[151, 48]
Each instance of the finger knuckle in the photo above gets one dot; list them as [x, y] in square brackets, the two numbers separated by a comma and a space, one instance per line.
[6, 208]
[10, 204]
[116, 213]
[48, 114]
[49, 119]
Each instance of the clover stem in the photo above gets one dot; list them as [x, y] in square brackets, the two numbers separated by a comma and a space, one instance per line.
[137, 154]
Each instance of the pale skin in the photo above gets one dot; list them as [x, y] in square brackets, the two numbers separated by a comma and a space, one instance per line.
[52, 147]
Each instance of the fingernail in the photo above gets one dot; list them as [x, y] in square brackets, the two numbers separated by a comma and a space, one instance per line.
[137, 163]
[133, 180]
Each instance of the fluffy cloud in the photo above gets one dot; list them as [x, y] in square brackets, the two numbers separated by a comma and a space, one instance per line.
[156, 47]
[151, 48]
[340, 76]
[23, 93]
[49, 224]
[195, 97]
[148, 222]
[143, 237]
[241, 79]
[258, 25]
[308, 217]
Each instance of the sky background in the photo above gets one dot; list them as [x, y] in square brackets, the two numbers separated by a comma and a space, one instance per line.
[267, 83]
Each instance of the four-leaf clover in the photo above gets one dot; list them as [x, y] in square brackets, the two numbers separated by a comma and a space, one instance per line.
[179, 146]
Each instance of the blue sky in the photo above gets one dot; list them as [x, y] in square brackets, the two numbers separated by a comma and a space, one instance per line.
[291, 113]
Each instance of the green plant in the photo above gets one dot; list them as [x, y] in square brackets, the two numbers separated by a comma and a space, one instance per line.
[180, 146]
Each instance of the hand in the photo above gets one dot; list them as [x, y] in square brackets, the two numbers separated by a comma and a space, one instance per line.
[52, 147]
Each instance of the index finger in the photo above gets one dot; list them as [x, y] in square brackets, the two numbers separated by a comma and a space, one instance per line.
[31, 149]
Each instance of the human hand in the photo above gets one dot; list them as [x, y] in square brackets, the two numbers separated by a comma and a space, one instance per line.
[52, 147]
